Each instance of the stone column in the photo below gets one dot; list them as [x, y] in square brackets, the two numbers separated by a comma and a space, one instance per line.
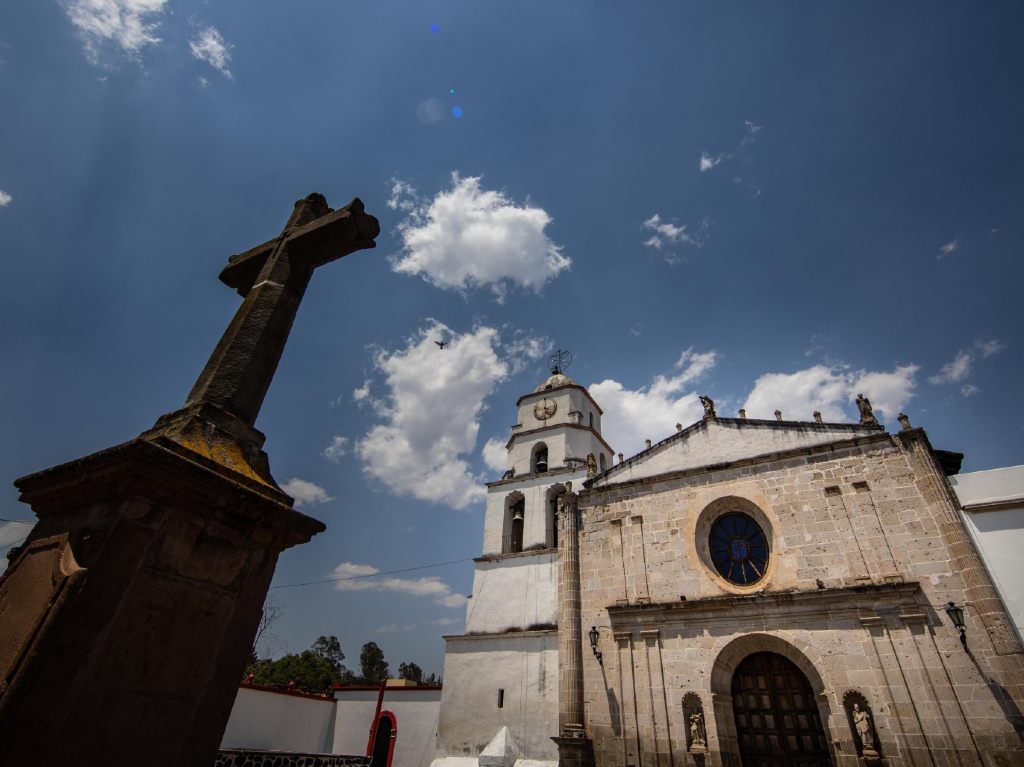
[127, 617]
[574, 748]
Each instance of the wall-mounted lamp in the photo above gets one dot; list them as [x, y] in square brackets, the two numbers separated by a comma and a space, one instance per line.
[956, 614]
[593, 645]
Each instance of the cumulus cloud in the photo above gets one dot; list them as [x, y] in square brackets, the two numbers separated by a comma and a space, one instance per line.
[360, 578]
[126, 25]
[467, 237]
[707, 161]
[304, 492]
[988, 348]
[665, 236]
[962, 365]
[5, 199]
[956, 370]
[337, 450]
[831, 391]
[948, 249]
[431, 414]
[525, 349]
[651, 412]
[207, 44]
[495, 455]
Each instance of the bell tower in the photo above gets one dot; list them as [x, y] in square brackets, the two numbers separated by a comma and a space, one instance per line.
[509, 652]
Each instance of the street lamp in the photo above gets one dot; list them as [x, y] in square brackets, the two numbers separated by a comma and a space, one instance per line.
[956, 614]
[593, 645]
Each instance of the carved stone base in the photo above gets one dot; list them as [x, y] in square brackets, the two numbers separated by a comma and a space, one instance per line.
[575, 749]
[870, 758]
[127, 617]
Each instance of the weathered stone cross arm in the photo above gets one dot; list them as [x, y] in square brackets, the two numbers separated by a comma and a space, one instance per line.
[220, 411]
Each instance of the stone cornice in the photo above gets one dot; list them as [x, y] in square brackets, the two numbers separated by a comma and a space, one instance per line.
[547, 551]
[781, 455]
[500, 635]
[860, 601]
[556, 471]
[553, 426]
[546, 392]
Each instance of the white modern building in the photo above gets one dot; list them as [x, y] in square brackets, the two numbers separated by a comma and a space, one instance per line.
[993, 508]
[501, 676]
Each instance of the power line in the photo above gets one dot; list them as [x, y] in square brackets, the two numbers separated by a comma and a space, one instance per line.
[372, 575]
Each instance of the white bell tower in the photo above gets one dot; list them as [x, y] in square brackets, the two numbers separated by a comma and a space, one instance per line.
[503, 672]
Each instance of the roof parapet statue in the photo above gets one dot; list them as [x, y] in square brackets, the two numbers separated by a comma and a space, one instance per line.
[709, 407]
[904, 420]
[867, 418]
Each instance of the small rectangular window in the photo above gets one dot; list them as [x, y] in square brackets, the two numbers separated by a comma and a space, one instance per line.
[501, 698]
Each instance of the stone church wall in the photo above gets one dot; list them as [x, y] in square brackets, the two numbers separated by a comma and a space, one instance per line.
[866, 549]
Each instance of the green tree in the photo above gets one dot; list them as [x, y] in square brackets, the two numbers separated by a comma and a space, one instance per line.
[410, 671]
[371, 661]
[308, 670]
[329, 649]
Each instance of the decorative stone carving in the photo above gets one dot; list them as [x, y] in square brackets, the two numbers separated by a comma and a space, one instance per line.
[862, 725]
[709, 407]
[743, 414]
[696, 733]
[817, 416]
[591, 465]
[867, 418]
[778, 415]
[904, 420]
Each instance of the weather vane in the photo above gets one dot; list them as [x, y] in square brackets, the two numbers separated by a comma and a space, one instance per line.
[560, 361]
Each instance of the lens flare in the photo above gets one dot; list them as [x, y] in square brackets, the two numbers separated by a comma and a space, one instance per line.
[456, 112]
[435, 28]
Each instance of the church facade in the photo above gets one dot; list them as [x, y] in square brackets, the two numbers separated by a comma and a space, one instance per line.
[744, 592]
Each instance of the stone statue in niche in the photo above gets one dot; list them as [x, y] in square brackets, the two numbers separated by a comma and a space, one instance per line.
[693, 716]
[709, 407]
[867, 417]
[697, 735]
[862, 724]
[591, 465]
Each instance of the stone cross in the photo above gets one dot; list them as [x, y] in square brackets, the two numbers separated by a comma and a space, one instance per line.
[272, 278]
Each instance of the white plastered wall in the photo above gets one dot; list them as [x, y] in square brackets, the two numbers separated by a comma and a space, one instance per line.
[280, 722]
[516, 592]
[525, 666]
[998, 530]
[415, 710]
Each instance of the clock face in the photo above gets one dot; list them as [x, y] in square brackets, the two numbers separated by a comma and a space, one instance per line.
[544, 409]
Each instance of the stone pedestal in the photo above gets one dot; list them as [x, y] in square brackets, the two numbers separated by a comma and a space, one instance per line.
[575, 749]
[127, 617]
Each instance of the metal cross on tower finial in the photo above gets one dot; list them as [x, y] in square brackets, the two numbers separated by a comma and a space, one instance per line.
[560, 361]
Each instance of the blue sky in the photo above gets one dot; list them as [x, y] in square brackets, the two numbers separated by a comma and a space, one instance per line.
[779, 205]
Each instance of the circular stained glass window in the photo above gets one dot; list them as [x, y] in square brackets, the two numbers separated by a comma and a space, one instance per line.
[739, 549]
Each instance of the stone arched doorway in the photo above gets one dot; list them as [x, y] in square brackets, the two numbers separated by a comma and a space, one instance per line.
[777, 719]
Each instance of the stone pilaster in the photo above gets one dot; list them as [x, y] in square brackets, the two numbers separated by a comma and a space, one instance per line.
[574, 748]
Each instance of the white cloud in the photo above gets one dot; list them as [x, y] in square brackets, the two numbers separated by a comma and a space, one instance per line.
[831, 391]
[431, 414]
[969, 390]
[668, 234]
[425, 586]
[651, 412]
[208, 45]
[955, 371]
[362, 393]
[707, 161]
[304, 492]
[948, 249]
[467, 237]
[129, 25]
[203, 82]
[988, 348]
[337, 450]
[393, 628]
[525, 349]
[442, 622]
[5, 199]
[495, 455]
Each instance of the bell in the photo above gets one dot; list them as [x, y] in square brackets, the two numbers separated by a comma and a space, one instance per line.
[517, 515]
